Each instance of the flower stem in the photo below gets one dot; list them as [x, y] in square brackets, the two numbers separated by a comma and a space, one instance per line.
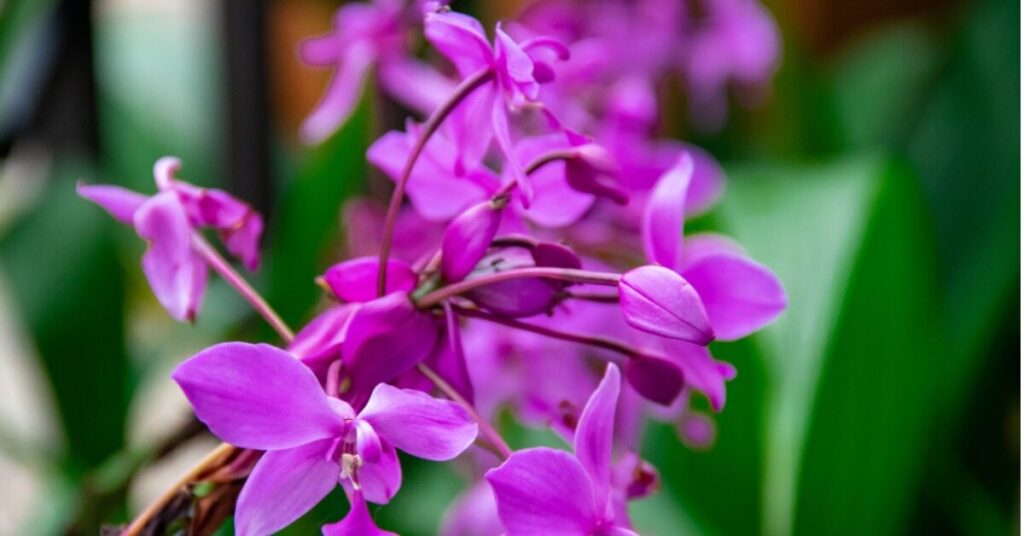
[429, 128]
[597, 342]
[563, 274]
[233, 278]
[222, 452]
[537, 163]
[492, 435]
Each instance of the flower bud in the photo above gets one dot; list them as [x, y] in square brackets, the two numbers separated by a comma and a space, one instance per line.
[656, 379]
[467, 238]
[593, 170]
[659, 301]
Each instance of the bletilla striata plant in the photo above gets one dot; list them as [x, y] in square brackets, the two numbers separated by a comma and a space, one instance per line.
[540, 265]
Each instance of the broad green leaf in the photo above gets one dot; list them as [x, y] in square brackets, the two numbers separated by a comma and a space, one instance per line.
[848, 242]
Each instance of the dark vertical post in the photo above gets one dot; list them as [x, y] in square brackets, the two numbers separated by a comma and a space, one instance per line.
[247, 105]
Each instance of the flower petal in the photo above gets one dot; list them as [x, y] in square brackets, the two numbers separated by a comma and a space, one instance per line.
[341, 96]
[473, 513]
[284, 485]
[656, 379]
[419, 424]
[175, 273]
[659, 301]
[502, 135]
[415, 84]
[257, 396]
[357, 522]
[435, 189]
[555, 203]
[593, 442]
[121, 203]
[543, 491]
[319, 342]
[467, 239]
[381, 480]
[450, 359]
[739, 294]
[707, 183]
[701, 371]
[663, 216]
[355, 280]
[385, 338]
[243, 241]
[460, 38]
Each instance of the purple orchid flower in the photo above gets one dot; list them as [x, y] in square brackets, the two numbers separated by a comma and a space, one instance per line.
[544, 491]
[517, 70]
[366, 35]
[169, 221]
[740, 295]
[313, 441]
[735, 41]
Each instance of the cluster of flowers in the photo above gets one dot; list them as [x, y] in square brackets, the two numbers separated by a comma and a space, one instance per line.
[539, 263]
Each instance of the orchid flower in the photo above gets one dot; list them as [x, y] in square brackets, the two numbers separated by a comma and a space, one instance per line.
[364, 36]
[516, 69]
[313, 441]
[543, 491]
[168, 221]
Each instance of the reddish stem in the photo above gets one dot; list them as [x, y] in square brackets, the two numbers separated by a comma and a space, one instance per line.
[486, 429]
[597, 342]
[429, 128]
[562, 274]
[233, 278]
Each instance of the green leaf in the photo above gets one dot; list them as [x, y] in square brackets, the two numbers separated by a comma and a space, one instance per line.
[846, 399]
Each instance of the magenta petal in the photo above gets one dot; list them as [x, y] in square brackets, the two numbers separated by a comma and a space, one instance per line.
[555, 203]
[355, 280]
[121, 203]
[319, 342]
[707, 184]
[342, 94]
[656, 379]
[516, 63]
[385, 338]
[257, 396]
[450, 362]
[380, 480]
[461, 39]
[357, 522]
[502, 135]
[740, 295]
[659, 301]
[419, 424]
[284, 485]
[467, 238]
[473, 513]
[593, 442]
[663, 216]
[437, 192]
[415, 84]
[244, 241]
[701, 371]
[175, 273]
[594, 171]
[544, 492]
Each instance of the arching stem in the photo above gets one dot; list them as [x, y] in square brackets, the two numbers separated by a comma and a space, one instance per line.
[429, 128]
[563, 274]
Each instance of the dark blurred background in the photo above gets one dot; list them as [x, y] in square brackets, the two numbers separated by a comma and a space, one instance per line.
[880, 179]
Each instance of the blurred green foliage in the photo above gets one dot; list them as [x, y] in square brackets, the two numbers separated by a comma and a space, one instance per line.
[882, 185]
